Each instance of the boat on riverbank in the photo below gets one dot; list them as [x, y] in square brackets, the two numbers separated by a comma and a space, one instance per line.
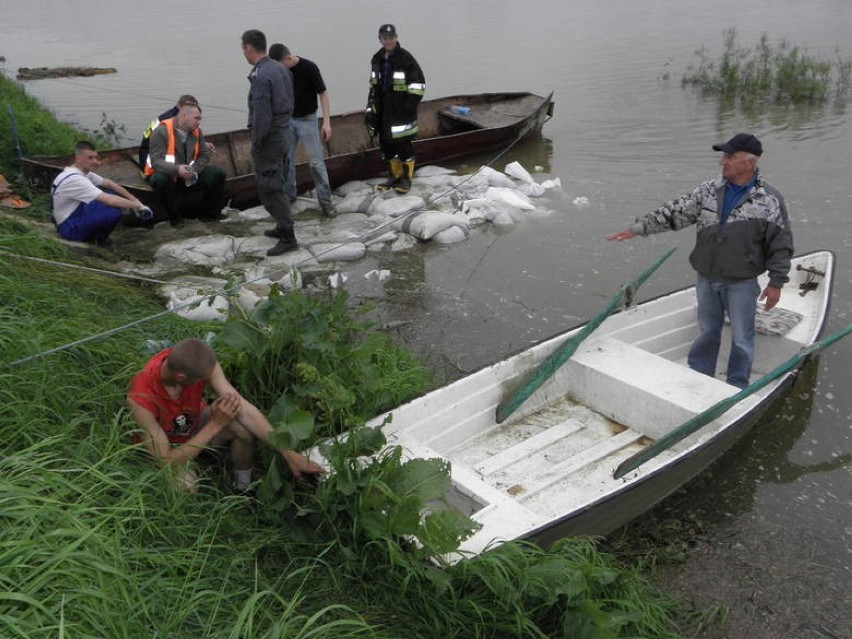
[449, 128]
[614, 427]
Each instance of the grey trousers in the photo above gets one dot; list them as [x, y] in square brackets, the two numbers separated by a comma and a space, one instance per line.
[269, 171]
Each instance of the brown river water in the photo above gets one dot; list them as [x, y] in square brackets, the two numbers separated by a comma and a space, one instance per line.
[766, 532]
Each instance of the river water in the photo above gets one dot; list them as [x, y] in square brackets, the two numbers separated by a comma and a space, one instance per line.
[626, 136]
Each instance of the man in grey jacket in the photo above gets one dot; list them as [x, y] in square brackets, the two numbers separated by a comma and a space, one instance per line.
[743, 229]
[270, 104]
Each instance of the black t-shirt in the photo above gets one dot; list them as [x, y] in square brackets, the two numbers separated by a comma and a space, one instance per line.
[307, 84]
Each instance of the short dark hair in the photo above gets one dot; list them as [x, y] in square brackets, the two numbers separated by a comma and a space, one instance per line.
[278, 52]
[193, 358]
[255, 39]
[187, 99]
[83, 145]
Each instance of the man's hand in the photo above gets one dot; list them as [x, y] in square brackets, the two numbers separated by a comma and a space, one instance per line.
[771, 294]
[301, 465]
[326, 131]
[225, 409]
[626, 234]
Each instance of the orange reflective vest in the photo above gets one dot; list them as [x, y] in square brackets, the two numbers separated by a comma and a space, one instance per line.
[170, 149]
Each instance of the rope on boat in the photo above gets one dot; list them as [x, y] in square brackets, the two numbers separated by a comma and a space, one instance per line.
[232, 289]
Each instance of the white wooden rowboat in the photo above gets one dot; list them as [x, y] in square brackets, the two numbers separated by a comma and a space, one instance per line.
[548, 470]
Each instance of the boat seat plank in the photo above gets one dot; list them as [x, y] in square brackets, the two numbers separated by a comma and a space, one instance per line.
[560, 471]
[633, 386]
[528, 447]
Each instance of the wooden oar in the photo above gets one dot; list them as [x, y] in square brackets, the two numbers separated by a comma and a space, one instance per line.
[562, 354]
[717, 409]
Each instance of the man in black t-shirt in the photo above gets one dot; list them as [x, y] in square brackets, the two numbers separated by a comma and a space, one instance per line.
[308, 85]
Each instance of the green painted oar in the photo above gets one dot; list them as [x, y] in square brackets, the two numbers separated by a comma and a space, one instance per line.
[562, 354]
[717, 409]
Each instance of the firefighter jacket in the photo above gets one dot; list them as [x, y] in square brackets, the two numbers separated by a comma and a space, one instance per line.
[396, 87]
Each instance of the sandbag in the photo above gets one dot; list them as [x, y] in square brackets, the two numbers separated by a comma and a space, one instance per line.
[397, 206]
[338, 252]
[495, 178]
[427, 224]
[518, 172]
[509, 196]
[209, 250]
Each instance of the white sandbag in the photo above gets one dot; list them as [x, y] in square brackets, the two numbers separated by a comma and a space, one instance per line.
[452, 235]
[510, 197]
[403, 242]
[555, 183]
[518, 172]
[209, 250]
[253, 214]
[357, 202]
[531, 189]
[289, 279]
[377, 275]
[199, 308]
[426, 224]
[580, 202]
[495, 178]
[336, 279]
[247, 298]
[430, 170]
[436, 182]
[324, 252]
[397, 206]
[354, 186]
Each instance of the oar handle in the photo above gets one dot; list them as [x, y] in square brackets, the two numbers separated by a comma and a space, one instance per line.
[564, 352]
[719, 408]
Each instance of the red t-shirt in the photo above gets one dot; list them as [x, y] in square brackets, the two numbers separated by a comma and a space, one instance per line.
[180, 418]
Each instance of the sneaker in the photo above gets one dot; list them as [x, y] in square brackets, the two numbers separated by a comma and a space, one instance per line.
[273, 233]
[283, 246]
[328, 209]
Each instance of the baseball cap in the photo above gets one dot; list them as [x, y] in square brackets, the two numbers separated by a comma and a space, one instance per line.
[387, 30]
[741, 142]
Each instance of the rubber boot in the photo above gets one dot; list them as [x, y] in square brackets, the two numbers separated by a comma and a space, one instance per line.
[404, 183]
[394, 173]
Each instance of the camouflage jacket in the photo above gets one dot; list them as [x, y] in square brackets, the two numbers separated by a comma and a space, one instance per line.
[755, 238]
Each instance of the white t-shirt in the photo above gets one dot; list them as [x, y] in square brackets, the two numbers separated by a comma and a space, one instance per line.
[79, 187]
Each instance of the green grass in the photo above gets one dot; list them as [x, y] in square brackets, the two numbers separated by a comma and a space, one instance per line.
[769, 74]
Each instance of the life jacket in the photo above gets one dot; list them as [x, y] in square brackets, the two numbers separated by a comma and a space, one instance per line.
[170, 149]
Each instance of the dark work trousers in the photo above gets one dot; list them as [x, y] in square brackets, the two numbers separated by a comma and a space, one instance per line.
[204, 199]
[269, 158]
[402, 148]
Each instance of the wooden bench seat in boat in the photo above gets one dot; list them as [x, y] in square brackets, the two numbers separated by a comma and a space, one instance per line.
[639, 389]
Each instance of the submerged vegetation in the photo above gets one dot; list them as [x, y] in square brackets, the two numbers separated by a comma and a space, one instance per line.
[766, 73]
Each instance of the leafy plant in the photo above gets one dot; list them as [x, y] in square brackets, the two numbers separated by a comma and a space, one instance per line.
[321, 356]
[782, 74]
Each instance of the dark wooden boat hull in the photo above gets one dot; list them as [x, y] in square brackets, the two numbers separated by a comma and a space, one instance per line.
[495, 121]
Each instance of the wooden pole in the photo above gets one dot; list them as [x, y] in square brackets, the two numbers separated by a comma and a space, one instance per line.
[562, 354]
[702, 419]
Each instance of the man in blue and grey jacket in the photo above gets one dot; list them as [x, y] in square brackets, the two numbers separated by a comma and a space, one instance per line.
[743, 229]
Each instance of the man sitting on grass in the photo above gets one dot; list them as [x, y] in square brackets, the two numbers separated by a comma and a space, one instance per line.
[166, 401]
[86, 206]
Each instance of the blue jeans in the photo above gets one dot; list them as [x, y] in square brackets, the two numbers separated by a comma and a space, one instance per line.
[739, 300]
[306, 130]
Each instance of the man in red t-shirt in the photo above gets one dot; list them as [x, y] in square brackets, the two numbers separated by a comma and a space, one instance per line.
[166, 400]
